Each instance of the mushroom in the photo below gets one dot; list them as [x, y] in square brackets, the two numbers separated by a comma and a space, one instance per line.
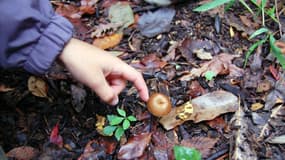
[159, 104]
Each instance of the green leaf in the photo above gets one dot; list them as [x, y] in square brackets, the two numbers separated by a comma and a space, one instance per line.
[114, 120]
[251, 49]
[258, 32]
[119, 132]
[109, 130]
[121, 13]
[126, 124]
[132, 118]
[121, 112]
[229, 5]
[276, 51]
[185, 153]
[210, 5]
[247, 7]
[209, 75]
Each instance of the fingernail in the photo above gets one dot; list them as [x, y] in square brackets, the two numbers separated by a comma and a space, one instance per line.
[115, 101]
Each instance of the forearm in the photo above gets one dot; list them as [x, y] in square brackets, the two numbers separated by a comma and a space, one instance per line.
[32, 35]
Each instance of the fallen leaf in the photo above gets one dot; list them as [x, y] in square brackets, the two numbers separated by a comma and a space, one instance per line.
[277, 140]
[55, 137]
[151, 24]
[135, 146]
[93, 150]
[236, 23]
[37, 86]
[248, 22]
[88, 6]
[108, 41]
[218, 123]
[258, 119]
[189, 46]
[202, 144]
[23, 153]
[121, 13]
[171, 51]
[109, 144]
[68, 11]
[109, 3]
[78, 95]
[105, 30]
[263, 86]
[256, 106]
[205, 107]
[195, 89]
[219, 65]
[202, 54]
[100, 123]
[149, 63]
[274, 72]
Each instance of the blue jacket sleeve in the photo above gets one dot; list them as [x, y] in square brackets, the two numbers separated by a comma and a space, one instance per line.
[31, 34]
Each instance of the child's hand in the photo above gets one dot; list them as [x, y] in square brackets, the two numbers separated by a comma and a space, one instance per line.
[101, 71]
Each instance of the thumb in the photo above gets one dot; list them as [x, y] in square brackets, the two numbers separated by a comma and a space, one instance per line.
[104, 90]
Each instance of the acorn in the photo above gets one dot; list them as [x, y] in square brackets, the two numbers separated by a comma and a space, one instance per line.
[159, 104]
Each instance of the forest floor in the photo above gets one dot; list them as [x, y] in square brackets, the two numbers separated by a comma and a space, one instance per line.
[195, 53]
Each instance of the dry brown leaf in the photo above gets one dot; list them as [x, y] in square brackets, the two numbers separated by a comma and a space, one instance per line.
[135, 146]
[219, 65]
[108, 41]
[105, 30]
[188, 46]
[37, 86]
[68, 11]
[195, 89]
[202, 108]
[263, 86]
[149, 63]
[218, 123]
[100, 123]
[203, 144]
[23, 153]
[88, 6]
[248, 22]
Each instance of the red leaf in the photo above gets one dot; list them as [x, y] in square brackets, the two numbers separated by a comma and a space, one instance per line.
[55, 137]
[135, 146]
[274, 72]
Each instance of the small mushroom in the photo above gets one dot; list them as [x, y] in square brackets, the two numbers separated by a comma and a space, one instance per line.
[159, 104]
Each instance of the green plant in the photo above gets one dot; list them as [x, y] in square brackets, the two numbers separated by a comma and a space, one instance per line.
[269, 37]
[209, 75]
[260, 10]
[183, 153]
[118, 124]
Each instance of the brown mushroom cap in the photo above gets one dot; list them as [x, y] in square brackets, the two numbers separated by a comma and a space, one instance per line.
[159, 104]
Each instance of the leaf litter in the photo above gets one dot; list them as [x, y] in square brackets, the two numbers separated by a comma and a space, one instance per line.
[174, 48]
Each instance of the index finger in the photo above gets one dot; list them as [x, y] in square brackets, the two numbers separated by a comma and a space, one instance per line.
[132, 75]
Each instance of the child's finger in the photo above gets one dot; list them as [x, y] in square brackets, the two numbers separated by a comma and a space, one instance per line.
[104, 90]
[136, 78]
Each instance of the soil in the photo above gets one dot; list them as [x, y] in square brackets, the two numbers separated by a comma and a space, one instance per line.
[27, 120]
